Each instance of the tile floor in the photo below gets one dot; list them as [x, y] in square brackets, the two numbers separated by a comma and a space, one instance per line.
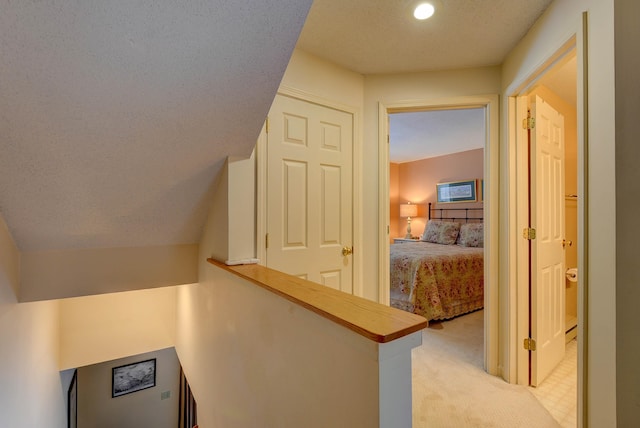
[558, 393]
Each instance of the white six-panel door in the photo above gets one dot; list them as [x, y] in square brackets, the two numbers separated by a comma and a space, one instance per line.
[547, 251]
[310, 192]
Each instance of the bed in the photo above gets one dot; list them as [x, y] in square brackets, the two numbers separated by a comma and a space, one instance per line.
[442, 275]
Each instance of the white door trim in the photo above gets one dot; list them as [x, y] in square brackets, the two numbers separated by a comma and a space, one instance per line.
[261, 185]
[516, 260]
[491, 182]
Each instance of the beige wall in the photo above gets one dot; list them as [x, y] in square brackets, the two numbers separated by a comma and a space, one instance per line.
[9, 259]
[234, 221]
[253, 358]
[556, 26]
[242, 209]
[39, 339]
[218, 219]
[94, 329]
[145, 408]
[33, 391]
[417, 184]
[627, 178]
[58, 274]
[315, 76]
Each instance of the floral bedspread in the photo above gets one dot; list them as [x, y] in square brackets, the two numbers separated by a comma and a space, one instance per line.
[436, 281]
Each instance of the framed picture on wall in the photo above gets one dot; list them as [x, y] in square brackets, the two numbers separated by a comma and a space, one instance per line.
[133, 377]
[457, 191]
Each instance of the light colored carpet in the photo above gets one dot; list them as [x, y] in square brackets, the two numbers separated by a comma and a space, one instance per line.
[451, 389]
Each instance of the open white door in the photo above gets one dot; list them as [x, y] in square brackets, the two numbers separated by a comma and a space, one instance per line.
[547, 249]
[310, 192]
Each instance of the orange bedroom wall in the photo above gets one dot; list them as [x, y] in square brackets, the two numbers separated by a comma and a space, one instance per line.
[416, 183]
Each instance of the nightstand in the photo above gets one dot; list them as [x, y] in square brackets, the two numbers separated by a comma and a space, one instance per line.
[404, 240]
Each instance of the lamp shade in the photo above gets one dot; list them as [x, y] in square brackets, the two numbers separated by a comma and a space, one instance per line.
[408, 210]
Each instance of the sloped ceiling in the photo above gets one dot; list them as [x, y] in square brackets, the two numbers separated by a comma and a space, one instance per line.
[426, 134]
[116, 116]
[561, 79]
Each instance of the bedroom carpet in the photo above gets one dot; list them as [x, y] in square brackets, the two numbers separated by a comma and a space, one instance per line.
[451, 389]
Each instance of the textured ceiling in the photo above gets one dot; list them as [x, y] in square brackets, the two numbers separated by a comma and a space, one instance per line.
[381, 36]
[116, 116]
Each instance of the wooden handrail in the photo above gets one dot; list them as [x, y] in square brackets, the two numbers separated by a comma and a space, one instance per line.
[372, 320]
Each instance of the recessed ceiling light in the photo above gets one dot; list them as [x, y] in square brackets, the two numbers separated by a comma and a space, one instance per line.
[424, 11]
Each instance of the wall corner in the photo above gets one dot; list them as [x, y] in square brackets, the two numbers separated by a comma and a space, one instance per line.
[9, 259]
[230, 232]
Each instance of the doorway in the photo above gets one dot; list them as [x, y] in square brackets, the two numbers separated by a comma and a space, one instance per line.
[429, 147]
[548, 142]
[555, 85]
[489, 104]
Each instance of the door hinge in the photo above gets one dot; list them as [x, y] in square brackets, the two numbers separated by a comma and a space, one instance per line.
[529, 233]
[529, 344]
[266, 125]
[529, 123]
[388, 139]
[266, 241]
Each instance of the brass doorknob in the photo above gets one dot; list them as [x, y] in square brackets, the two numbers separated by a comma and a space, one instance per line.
[565, 243]
[346, 251]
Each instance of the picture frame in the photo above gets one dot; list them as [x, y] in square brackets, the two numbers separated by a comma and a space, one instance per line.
[133, 377]
[457, 191]
[72, 402]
